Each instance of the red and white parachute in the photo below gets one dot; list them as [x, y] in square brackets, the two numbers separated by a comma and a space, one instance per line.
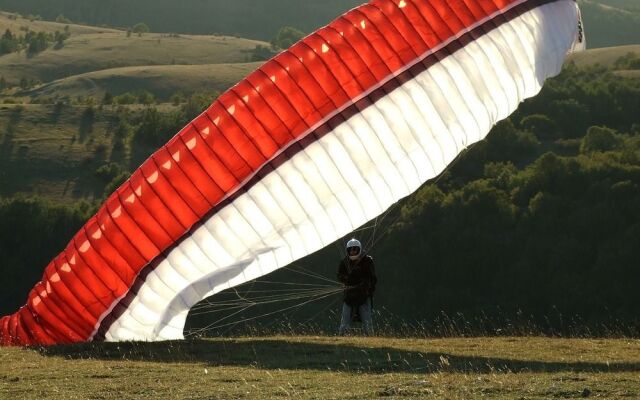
[316, 142]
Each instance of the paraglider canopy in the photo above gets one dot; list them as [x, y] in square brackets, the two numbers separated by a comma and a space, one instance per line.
[316, 142]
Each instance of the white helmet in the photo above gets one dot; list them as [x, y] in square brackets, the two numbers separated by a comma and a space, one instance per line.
[352, 245]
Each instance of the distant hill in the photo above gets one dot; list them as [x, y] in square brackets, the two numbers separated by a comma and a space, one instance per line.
[606, 56]
[248, 18]
[92, 49]
[163, 80]
[17, 24]
[629, 5]
[608, 22]
[606, 25]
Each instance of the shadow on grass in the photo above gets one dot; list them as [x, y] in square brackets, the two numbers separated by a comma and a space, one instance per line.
[283, 354]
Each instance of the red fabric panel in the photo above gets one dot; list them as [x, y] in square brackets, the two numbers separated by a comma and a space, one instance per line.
[107, 275]
[13, 326]
[36, 332]
[230, 158]
[77, 286]
[21, 334]
[280, 105]
[114, 235]
[263, 113]
[348, 57]
[160, 212]
[301, 75]
[321, 73]
[4, 328]
[37, 307]
[371, 34]
[393, 37]
[249, 124]
[242, 145]
[357, 40]
[68, 326]
[66, 301]
[64, 304]
[291, 92]
[108, 252]
[169, 166]
[194, 171]
[129, 229]
[131, 200]
[161, 187]
[99, 293]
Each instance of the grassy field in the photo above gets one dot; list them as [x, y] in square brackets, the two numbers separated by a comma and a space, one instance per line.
[95, 52]
[17, 23]
[606, 56]
[91, 49]
[327, 368]
[162, 80]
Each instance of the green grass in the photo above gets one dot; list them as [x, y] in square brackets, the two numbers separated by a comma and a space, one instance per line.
[327, 368]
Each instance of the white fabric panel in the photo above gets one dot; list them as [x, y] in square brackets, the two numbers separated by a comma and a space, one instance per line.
[355, 172]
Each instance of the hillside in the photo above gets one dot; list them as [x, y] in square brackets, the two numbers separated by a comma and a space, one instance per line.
[88, 50]
[629, 5]
[614, 24]
[17, 23]
[162, 81]
[247, 18]
[327, 368]
[606, 25]
[606, 56]
[51, 151]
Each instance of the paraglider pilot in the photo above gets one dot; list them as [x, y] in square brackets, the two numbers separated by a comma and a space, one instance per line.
[356, 271]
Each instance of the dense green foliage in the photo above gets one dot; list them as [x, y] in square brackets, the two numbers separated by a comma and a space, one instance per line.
[32, 232]
[542, 218]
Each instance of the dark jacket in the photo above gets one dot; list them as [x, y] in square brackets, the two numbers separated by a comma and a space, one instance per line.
[359, 277]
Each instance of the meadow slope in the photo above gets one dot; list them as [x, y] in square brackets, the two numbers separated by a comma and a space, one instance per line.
[90, 49]
[161, 80]
[327, 368]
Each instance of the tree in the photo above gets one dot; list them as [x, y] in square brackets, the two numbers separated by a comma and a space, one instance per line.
[37, 42]
[146, 98]
[286, 36]
[107, 99]
[8, 43]
[149, 130]
[262, 53]
[62, 19]
[540, 125]
[599, 138]
[141, 28]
